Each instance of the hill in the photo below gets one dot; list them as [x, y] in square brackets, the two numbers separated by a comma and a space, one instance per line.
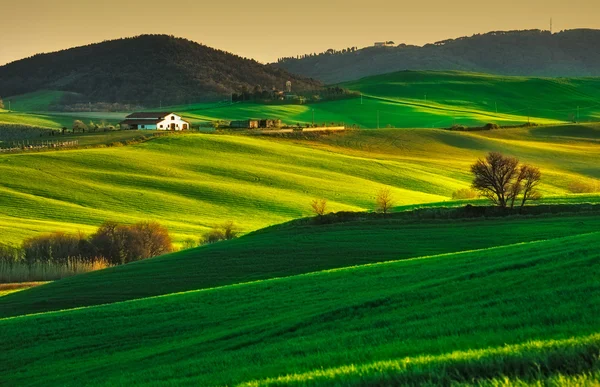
[147, 70]
[411, 99]
[570, 53]
[293, 249]
[407, 99]
[525, 312]
[192, 182]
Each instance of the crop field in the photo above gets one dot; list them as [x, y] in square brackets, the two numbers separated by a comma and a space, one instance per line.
[289, 250]
[411, 99]
[526, 311]
[193, 182]
[432, 294]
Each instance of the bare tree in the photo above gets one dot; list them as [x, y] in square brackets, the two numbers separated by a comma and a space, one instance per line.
[495, 177]
[530, 177]
[319, 206]
[384, 200]
[501, 179]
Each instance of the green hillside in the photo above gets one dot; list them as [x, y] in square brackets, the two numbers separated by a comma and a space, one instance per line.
[290, 250]
[38, 101]
[456, 318]
[193, 182]
[409, 99]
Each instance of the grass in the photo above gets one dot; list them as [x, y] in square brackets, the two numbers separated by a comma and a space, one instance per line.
[19, 272]
[522, 311]
[15, 287]
[193, 182]
[398, 98]
[38, 101]
[290, 250]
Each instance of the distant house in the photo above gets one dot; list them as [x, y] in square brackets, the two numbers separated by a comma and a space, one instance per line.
[154, 121]
[255, 124]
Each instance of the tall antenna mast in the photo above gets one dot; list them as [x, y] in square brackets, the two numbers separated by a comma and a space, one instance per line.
[550, 25]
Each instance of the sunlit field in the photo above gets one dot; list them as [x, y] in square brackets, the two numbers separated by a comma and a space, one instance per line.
[526, 311]
[193, 182]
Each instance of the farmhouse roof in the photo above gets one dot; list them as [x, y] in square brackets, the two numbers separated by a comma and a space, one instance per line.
[149, 115]
[130, 121]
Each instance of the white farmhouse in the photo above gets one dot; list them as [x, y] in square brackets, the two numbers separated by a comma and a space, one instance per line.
[155, 121]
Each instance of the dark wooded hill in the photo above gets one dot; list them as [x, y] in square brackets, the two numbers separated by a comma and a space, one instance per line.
[144, 70]
[571, 53]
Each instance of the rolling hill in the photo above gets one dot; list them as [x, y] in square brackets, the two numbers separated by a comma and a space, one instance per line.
[143, 70]
[293, 249]
[526, 311]
[407, 99]
[192, 182]
[570, 53]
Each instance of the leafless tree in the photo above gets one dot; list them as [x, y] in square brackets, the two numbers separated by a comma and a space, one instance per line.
[501, 179]
[319, 206]
[530, 177]
[384, 200]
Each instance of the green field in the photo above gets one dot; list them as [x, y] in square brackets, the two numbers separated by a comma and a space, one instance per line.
[428, 295]
[461, 317]
[407, 99]
[290, 250]
[196, 181]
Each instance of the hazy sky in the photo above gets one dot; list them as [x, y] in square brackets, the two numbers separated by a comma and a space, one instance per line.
[268, 29]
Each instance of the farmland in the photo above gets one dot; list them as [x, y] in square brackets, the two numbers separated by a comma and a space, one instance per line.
[502, 312]
[410, 99]
[427, 295]
[193, 182]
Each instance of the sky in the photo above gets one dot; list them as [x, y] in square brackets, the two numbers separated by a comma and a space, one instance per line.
[268, 29]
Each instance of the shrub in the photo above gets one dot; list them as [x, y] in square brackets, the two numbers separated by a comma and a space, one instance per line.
[384, 200]
[464, 193]
[55, 247]
[319, 206]
[223, 232]
[189, 243]
[79, 126]
[577, 186]
[121, 244]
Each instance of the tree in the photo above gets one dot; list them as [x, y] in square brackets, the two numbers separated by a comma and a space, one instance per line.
[319, 206]
[120, 244]
[79, 126]
[384, 200]
[501, 180]
[223, 232]
[531, 177]
[1, 104]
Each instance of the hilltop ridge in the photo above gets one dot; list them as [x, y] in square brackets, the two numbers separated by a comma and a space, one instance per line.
[146, 69]
[570, 53]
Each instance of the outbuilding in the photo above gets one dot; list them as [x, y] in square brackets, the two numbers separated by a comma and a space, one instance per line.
[154, 121]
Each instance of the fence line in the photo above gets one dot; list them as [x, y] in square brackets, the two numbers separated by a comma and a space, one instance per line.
[25, 145]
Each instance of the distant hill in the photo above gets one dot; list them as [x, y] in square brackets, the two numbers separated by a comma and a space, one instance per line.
[571, 53]
[145, 70]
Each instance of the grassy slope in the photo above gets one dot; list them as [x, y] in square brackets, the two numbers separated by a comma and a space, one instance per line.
[476, 300]
[452, 97]
[195, 181]
[38, 101]
[289, 250]
[469, 94]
